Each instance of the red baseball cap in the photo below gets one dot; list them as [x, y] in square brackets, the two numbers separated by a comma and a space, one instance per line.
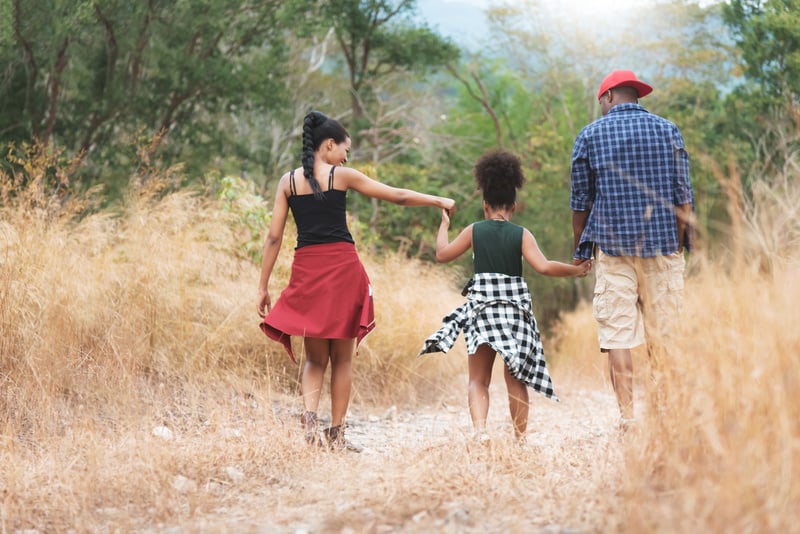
[624, 78]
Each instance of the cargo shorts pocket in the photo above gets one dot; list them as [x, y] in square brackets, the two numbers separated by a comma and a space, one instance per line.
[601, 307]
[676, 285]
[667, 286]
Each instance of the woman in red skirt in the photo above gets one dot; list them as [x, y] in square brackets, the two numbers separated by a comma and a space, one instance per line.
[329, 299]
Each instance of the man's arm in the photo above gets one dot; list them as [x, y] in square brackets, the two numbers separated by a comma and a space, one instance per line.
[683, 214]
[579, 219]
[684, 196]
[582, 192]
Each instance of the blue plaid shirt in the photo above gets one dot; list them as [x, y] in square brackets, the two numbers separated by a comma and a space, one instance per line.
[630, 169]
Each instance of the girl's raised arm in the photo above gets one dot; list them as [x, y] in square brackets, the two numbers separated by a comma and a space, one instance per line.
[447, 251]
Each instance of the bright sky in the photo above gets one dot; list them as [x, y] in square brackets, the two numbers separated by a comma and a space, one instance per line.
[575, 6]
[585, 6]
[571, 3]
[467, 27]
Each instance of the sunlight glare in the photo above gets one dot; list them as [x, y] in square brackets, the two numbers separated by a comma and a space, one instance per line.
[593, 7]
[572, 7]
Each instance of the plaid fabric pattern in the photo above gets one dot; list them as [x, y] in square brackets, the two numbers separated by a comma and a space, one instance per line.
[499, 313]
[630, 168]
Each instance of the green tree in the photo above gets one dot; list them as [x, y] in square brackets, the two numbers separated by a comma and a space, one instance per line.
[762, 112]
[767, 33]
[378, 38]
[93, 75]
[380, 41]
[496, 108]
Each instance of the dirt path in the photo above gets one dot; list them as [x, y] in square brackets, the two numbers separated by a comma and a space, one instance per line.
[421, 471]
[581, 415]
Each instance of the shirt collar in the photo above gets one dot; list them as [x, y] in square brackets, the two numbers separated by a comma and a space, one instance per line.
[628, 106]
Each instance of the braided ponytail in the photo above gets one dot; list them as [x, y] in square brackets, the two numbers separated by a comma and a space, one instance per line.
[311, 121]
[317, 127]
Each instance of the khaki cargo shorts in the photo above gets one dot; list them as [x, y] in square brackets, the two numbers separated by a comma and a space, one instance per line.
[637, 297]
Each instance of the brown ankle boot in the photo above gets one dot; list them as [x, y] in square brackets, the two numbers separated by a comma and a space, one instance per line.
[310, 425]
[336, 441]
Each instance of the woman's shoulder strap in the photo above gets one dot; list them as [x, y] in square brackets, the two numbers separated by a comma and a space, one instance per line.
[330, 178]
[292, 186]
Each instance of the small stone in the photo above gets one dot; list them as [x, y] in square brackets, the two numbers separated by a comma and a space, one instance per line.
[234, 473]
[183, 484]
[391, 413]
[162, 432]
[232, 433]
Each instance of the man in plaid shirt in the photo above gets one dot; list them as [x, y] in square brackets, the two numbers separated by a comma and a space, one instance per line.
[632, 201]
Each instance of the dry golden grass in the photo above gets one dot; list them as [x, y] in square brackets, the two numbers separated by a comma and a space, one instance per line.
[728, 426]
[137, 394]
[411, 298]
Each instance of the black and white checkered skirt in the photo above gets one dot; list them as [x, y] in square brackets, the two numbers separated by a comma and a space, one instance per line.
[499, 313]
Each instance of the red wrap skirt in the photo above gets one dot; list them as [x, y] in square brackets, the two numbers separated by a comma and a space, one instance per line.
[329, 296]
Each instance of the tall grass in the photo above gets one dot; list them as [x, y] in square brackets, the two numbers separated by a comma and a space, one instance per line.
[158, 287]
[125, 328]
[722, 447]
[137, 392]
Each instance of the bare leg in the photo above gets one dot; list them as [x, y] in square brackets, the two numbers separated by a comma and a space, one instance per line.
[341, 378]
[517, 404]
[480, 376]
[317, 354]
[621, 369]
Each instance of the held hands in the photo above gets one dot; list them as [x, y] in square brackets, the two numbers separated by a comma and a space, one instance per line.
[445, 218]
[584, 266]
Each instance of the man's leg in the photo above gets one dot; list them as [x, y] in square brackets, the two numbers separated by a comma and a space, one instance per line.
[620, 367]
[662, 303]
[617, 309]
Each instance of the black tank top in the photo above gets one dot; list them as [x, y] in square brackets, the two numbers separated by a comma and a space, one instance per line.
[320, 220]
[497, 247]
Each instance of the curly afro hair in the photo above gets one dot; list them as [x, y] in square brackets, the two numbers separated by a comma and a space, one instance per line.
[498, 174]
